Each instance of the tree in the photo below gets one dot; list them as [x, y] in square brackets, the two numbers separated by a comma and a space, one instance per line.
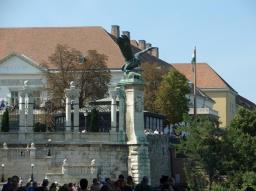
[89, 72]
[226, 156]
[152, 74]
[203, 149]
[5, 121]
[240, 145]
[245, 120]
[171, 97]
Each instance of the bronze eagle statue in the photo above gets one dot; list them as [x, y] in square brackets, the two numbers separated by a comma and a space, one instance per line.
[132, 61]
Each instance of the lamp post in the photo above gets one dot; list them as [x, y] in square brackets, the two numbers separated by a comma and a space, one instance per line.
[2, 179]
[32, 172]
[49, 147]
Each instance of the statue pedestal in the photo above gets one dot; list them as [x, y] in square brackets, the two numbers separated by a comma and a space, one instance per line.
[134, 110]
[138, 159]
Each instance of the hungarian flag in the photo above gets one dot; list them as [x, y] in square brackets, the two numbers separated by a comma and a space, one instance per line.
[193, 61]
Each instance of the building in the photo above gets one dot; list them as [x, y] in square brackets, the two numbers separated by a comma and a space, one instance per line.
[245, 103]
[214, 86]
[204, 104]
[69, 155]
[24, 50]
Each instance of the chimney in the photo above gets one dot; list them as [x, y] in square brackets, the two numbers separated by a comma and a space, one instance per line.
[142, 44]
[148, 45]
[126, 33]
[115, 30]
[155, 52]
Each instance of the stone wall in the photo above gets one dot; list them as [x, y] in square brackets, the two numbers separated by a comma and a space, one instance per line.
[85, 155]
[159, 155]
[85, 160]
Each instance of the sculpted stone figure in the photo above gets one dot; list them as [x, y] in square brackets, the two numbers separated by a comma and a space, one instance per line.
[132, 61]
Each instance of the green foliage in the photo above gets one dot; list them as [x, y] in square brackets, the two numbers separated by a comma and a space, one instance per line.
[5, 121]
[225, 157]
[94, 116]
[219, 188]
[240, 146]
[171, 97]
[249, 179]
[39, 127]
[245, 120]
[203, 148]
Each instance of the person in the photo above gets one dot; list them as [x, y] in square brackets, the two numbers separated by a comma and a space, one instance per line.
[165, 184]
[31, 186]
[7, 186]
[63, 188]
[105, 188]
[53, 187]
[130, 185]
[70, 186]
[44, 186]
[14, 184]
[156, 132]
[83, 184]
[95, 185]
[143, 185]
[109, 184]
[120, 183]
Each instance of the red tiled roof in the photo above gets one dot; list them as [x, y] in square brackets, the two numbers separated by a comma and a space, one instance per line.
[39, 43]
[206, 77]
[242, 101]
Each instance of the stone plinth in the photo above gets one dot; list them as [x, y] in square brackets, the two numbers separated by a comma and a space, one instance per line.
[138, 158]
[134, 110]
[138, 162]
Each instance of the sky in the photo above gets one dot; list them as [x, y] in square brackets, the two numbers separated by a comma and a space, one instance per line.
[224, 31]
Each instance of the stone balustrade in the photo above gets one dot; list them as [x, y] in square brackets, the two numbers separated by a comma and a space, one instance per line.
[60, 138]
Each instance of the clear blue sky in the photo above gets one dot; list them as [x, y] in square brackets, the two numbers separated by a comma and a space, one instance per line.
[224, 31]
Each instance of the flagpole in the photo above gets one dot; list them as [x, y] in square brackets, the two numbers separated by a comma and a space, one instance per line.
[194, 79]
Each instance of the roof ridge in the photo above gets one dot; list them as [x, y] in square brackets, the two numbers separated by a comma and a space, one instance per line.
[51, 27]
[225, 82]
[204, 69]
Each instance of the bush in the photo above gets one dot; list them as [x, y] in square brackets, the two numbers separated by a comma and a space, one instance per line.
[5, 121]
[94, 115]
[219, 188]
[39, 127]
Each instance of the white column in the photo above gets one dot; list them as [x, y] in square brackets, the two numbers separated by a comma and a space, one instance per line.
[76, 114]
[72, 94]
[68, 112]
[121, 96]
[30, 115]
[113, 111]
[22, 111]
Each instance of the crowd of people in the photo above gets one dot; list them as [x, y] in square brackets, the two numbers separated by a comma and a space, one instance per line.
[121, 184]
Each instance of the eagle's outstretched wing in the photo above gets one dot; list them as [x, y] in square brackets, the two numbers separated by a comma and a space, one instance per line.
[125, 46]
[137, 55]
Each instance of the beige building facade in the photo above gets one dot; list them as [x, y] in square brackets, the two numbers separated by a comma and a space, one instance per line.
[215, 87]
